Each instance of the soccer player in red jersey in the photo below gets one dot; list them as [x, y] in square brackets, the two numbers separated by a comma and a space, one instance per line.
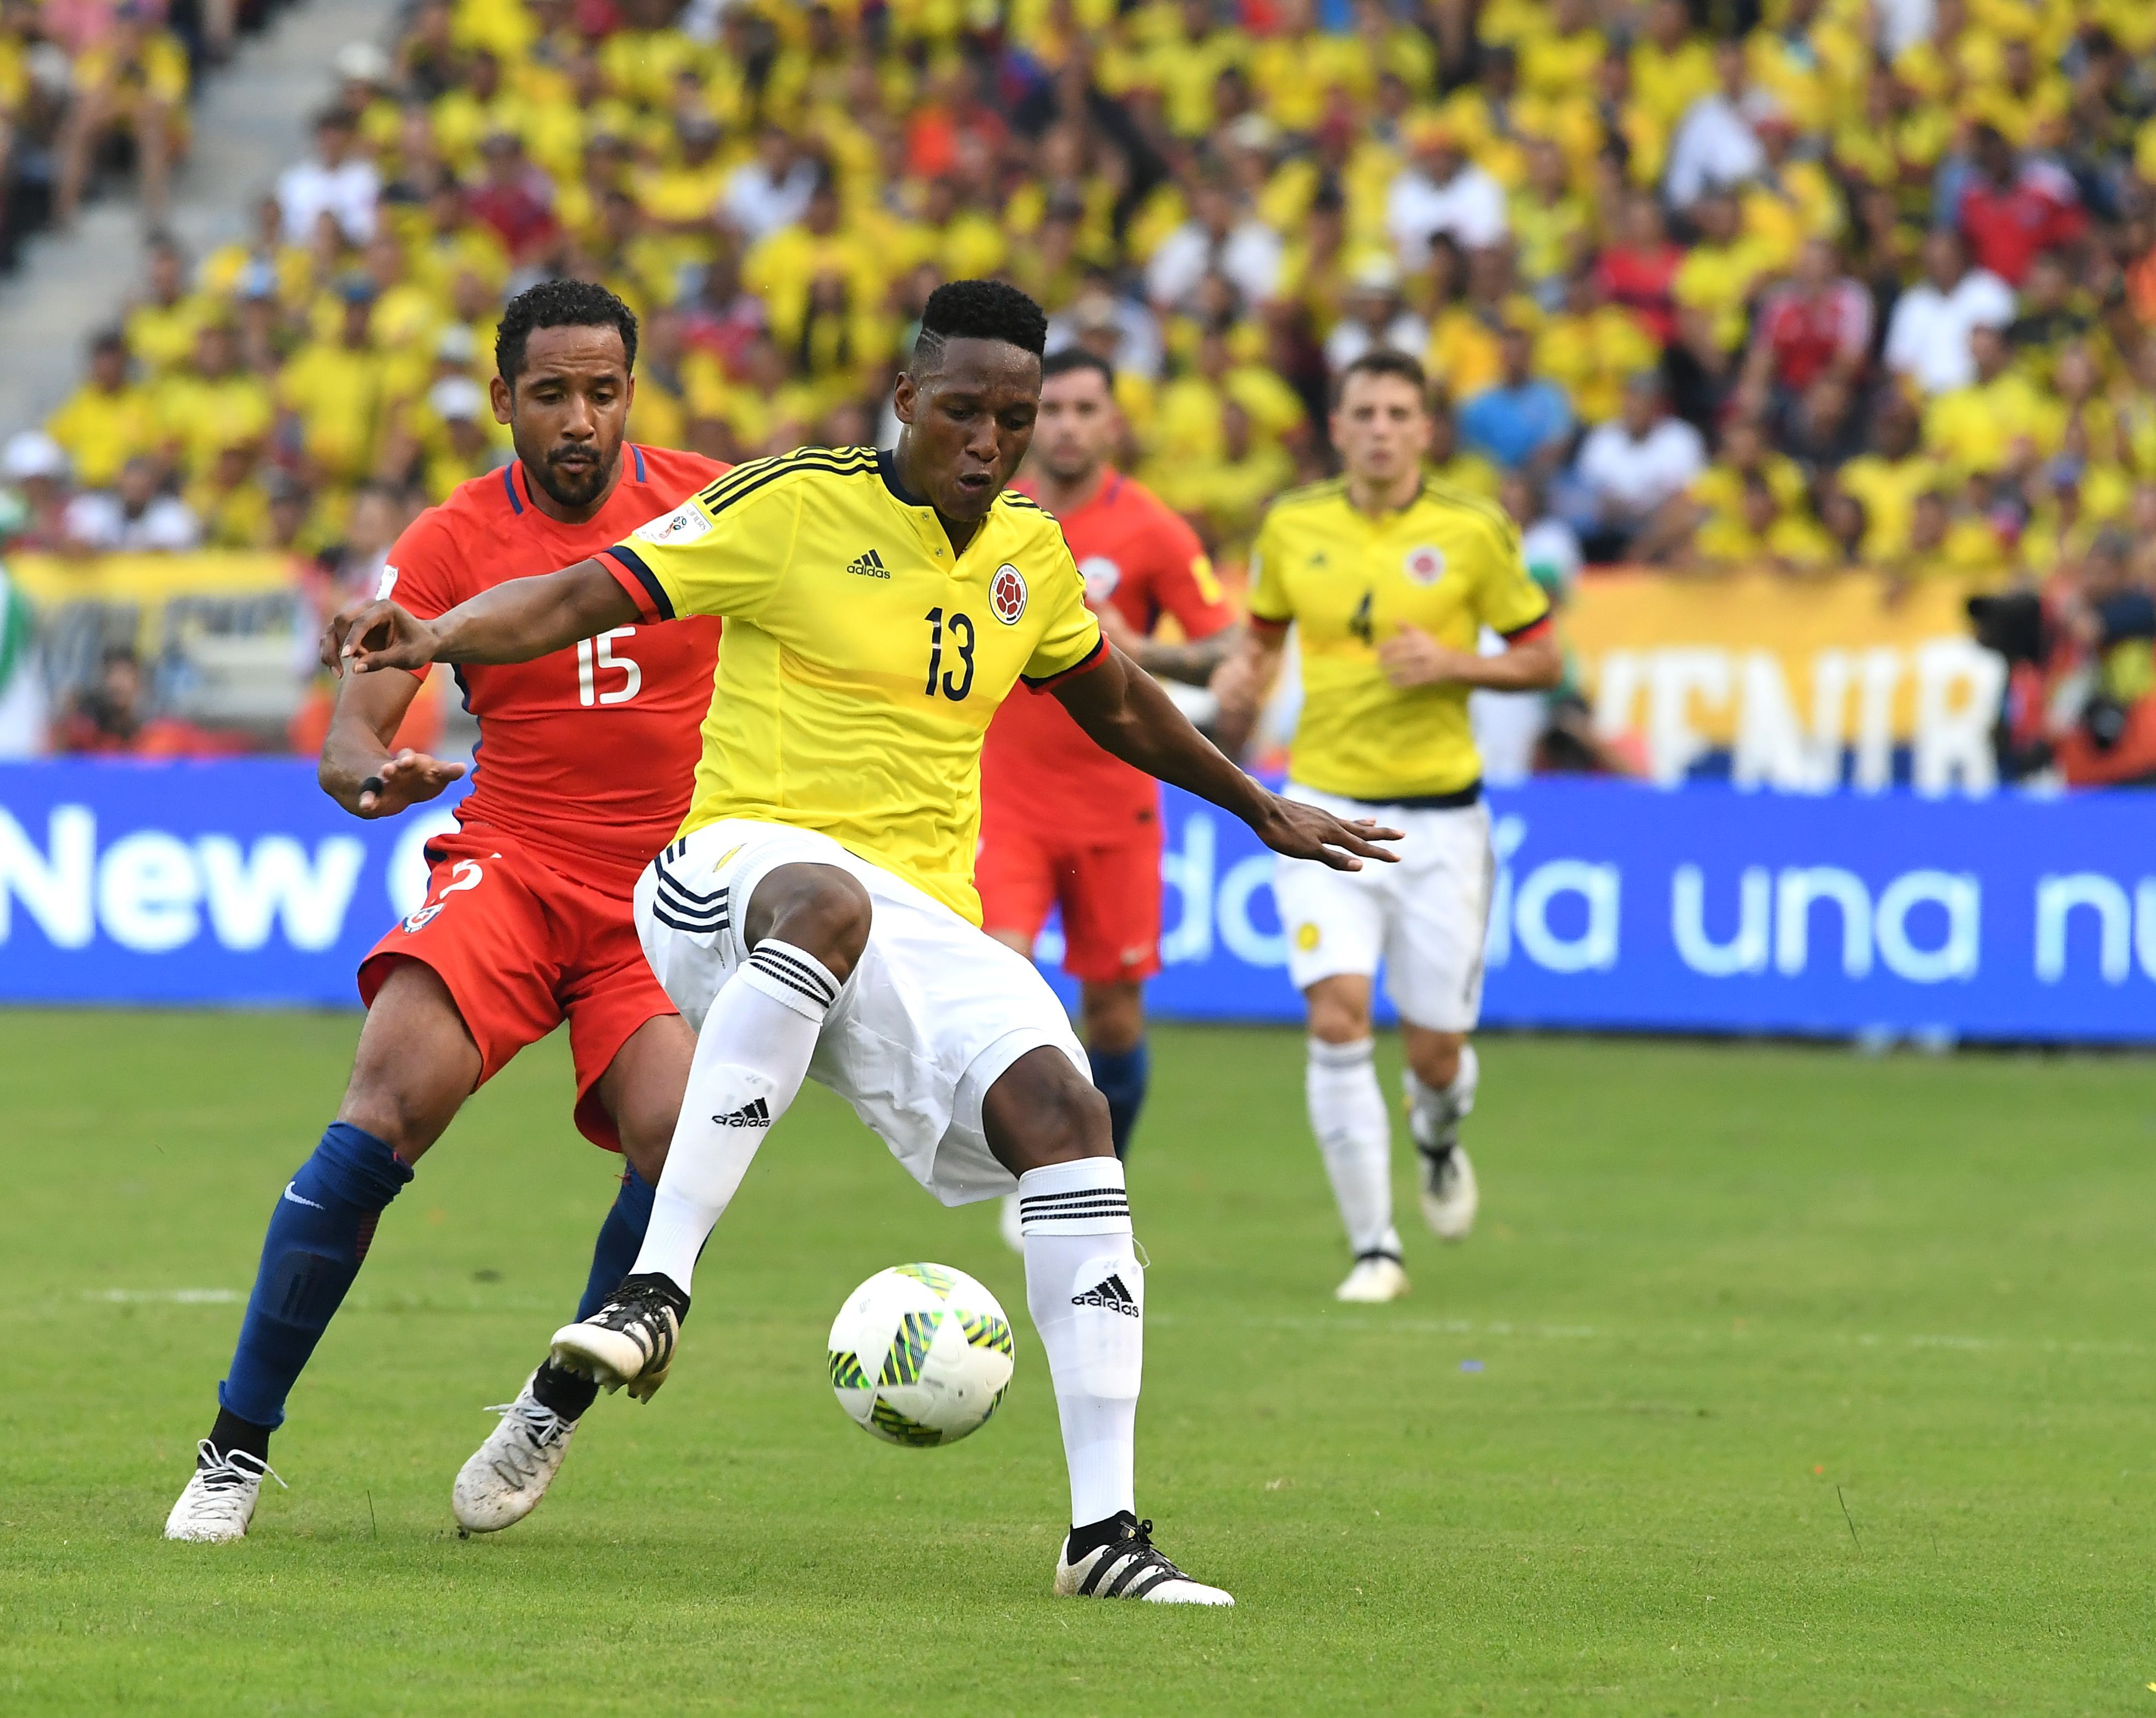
[1062, 822]
[583, 771]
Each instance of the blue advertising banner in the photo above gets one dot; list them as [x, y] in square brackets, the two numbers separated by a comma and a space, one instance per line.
[1615, 906]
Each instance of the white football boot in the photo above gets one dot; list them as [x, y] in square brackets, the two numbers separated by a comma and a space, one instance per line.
[509, 1472]
[219, 1498]
[1007, 1224]
[1449, 1195]
[1376, 1277]
[1131, 1567]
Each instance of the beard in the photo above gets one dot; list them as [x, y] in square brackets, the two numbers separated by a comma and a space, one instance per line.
[573, 488]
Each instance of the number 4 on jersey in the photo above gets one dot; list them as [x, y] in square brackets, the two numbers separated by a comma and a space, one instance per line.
[1358, 623]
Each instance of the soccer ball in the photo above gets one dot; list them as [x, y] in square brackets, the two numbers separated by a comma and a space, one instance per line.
[920, 1354]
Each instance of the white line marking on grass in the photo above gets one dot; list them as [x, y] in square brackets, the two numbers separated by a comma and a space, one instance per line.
[167, 1297]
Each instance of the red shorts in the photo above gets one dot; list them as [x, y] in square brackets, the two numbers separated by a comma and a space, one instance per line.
[1110, 897]
[523, 947]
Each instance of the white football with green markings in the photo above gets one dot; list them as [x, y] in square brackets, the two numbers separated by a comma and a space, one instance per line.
[920, 1354]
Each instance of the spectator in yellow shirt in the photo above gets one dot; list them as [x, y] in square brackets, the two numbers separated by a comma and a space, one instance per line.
[781, 268]
[1225, 496]
[1550, 227]
[1889, 476]
[1763, 533]
[160, 328]
[108, 420]
[212, 404]
[1944, 542]
[132, 83]
[1671, 68]
[1591, 346]
[230, 500]
[1718, 491]
[1559, 62]
[1714, 283]
[332, 389]
[1999, 422]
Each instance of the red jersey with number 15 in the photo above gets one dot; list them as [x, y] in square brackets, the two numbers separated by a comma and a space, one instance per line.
[586, 755]
[1038, 767]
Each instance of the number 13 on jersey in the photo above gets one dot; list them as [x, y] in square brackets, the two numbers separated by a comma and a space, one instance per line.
[957, 628]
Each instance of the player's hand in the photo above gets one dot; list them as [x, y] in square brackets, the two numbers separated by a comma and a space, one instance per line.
[1299, 831]
[1412, 657]
[406, 779]
[377, 635]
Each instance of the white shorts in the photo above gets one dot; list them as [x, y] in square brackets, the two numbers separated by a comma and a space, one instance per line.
[933, 1013]
[1425, 916]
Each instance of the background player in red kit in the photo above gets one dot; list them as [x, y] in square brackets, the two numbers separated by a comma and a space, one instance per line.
[583, 771]
[1062, 822]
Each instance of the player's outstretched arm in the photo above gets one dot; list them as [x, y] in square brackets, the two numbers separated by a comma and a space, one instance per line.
[513, 622]
[358, 769]
[1127, 715]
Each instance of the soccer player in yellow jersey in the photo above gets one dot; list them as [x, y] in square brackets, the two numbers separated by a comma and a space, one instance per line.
[817, 912]
[1389, 579]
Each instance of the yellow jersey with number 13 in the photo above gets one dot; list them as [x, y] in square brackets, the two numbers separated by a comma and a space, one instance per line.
[1448, 564]
[862, 658]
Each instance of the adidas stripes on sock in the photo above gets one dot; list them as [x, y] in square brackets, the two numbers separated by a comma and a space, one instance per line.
[1355, 1137]
[1087, 1292]
[751, 1056]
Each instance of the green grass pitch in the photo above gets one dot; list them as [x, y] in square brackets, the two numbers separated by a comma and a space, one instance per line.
[1775, 1380]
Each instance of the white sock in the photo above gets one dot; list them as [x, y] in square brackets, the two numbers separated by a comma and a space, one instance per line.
[1355, 1137]
[1087, 1292]
[751, 1056]
[1433, 1111]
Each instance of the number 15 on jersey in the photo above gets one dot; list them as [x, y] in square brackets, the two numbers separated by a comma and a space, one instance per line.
[595, 655]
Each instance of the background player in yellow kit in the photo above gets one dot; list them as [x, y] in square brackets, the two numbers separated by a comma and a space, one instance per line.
[1389, 579]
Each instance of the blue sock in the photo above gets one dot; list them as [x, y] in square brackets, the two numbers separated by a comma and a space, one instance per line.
[620, 1238]
[1121, 1075]
[320, 1232]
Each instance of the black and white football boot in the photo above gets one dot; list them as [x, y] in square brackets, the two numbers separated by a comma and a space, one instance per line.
[1130, 1565]
[1449, 1193]
[219, 1499]
[628, 1340]
[509, 1473]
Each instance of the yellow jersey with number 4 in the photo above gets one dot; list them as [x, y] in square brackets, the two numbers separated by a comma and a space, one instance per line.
[1447, 564]
[861, 658]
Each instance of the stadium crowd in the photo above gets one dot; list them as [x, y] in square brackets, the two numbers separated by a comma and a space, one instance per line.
[92, 87]
[1800, 285]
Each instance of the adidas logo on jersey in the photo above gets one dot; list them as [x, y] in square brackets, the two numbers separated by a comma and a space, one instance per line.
[756, 1114]
[1110, 1296]
[868, 565]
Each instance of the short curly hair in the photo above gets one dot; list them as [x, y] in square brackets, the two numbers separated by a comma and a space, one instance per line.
[979, 309]
[559, 304]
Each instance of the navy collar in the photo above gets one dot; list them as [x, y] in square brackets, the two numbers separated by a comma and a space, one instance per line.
[887, 469]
